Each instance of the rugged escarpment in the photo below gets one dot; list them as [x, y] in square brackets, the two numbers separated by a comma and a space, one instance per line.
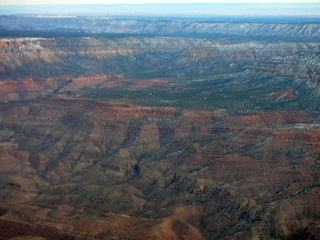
[145, 56]
[145, 172]
[200, 73]
[159, 137]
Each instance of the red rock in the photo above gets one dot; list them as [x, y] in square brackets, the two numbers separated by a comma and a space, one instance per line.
[17, 44]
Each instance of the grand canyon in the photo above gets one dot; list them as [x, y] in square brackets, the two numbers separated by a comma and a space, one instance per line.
[159, 129]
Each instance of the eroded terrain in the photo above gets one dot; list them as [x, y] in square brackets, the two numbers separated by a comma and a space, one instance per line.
[152, 137]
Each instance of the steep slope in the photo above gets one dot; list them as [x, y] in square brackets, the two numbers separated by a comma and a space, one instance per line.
[154, 137]
[200, 73]
[147, 56]
[200, 174]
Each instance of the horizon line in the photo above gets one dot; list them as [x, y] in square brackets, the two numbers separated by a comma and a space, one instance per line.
[140, 3]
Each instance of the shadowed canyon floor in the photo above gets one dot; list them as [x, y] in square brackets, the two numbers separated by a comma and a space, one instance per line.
[153, 137]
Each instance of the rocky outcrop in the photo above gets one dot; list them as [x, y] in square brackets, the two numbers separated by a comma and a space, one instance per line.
[250, 75]
[157, 172]
[144, 56]
[159, 137]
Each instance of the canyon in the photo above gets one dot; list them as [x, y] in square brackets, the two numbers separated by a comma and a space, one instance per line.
[171, 130]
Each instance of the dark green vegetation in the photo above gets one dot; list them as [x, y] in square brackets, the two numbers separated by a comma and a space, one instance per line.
[197, 73]
[219, 92]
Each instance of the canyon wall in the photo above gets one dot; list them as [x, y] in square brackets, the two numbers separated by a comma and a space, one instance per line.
[159, 137]
[141, 56]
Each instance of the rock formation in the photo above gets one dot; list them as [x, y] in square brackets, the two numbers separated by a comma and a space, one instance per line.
[159, 137]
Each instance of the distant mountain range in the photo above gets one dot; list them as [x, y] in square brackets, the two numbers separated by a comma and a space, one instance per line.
[204, 11]
[246, 29]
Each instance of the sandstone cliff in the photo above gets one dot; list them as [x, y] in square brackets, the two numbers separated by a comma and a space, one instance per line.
[159, 137]
[144, 56]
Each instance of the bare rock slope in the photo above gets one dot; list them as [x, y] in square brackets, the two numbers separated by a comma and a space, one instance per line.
[159, 137]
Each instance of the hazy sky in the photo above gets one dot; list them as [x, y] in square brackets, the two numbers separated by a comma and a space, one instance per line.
[28, 2]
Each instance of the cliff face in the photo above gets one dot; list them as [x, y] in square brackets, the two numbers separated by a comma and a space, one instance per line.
[198, 72]
[137, 56]
[159, 137]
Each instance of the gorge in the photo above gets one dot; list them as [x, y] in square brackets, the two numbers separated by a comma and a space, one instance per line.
[153, 129]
